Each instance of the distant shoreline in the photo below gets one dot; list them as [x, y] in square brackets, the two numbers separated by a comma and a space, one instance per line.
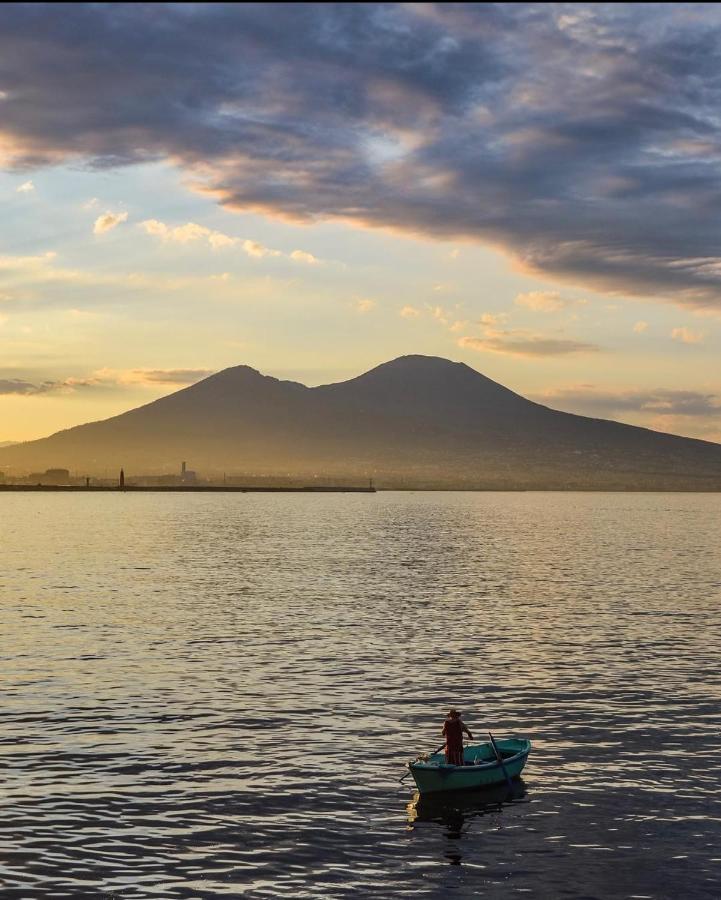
[333, 489]
[175, 488]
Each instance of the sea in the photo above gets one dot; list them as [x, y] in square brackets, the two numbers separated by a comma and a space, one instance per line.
[216, 695]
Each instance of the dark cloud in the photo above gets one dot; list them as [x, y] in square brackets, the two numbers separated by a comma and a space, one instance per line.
[28, 389]
[15, 386]
[659, 401]
[584, 139]
[104, 379]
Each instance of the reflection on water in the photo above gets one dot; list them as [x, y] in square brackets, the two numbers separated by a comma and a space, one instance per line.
[464, 805]
[215, 696]
[456, 811]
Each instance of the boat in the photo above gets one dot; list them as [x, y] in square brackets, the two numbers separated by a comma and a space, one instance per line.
[480, 768]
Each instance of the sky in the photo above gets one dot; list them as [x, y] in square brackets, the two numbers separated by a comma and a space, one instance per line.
[311, 190]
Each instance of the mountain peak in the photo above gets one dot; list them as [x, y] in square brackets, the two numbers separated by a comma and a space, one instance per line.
[418, 380]
[240, 377]
[417, 363]
[236, 373]
[420, 360]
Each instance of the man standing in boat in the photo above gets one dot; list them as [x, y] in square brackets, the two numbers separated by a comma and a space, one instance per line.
[453, 729]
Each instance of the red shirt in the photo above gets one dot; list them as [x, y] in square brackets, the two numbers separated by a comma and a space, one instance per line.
[453, 730]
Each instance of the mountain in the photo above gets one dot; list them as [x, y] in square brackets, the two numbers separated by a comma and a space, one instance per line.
[416, 421]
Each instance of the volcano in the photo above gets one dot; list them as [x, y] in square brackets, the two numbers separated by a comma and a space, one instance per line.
[416, 421]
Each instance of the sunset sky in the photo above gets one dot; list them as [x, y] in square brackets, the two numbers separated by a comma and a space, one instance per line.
[312, 190]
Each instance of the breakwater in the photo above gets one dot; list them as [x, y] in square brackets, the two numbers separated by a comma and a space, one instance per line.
[187, 488]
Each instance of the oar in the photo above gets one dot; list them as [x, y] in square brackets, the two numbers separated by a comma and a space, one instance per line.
[402, 778]
[500, 760]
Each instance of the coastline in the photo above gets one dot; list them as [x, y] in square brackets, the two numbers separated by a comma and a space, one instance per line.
[175, 488]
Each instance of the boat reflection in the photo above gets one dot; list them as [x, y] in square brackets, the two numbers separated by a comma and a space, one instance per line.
[456, 811]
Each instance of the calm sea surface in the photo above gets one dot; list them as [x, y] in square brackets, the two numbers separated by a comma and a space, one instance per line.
[215, 695]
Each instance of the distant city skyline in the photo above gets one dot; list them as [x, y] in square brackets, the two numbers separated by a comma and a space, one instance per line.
[314, 190]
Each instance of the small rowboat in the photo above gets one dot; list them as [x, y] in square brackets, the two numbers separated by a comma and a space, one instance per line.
[480, 767]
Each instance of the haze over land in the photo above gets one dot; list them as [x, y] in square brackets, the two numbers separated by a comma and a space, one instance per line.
[415, 421]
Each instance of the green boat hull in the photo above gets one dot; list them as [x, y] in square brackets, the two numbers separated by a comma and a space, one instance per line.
[433, 776]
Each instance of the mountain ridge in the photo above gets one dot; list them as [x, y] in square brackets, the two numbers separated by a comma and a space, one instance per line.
[412, 421]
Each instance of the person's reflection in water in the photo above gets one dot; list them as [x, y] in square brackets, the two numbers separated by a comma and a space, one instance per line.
[454, 822]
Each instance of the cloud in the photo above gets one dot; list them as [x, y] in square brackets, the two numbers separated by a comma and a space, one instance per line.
[28, 276]
[21, 263]
[365, 306]
[542, 301]
[26, 187]
[640, 327]
[492, 319]
[457, 121]
[687, 336]
[162, 376]
[258, 250]
[154, 227]
[108, 221]
[28, 389]
[42, 269]
[513, 343]
[693, 413]
[145, 377]
[217, 240]
[181, 234]
[591, 400]
[519, 341]
[302, 256]
[443, 316]
[16, 386]
[440, 314]
[104, 378]
[191, 232]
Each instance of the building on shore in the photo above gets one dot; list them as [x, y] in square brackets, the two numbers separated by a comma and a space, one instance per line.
[187, 476]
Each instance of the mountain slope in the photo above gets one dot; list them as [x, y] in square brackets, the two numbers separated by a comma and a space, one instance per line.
[416, 420]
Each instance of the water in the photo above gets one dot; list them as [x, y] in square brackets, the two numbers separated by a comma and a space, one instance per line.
[214, 696]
